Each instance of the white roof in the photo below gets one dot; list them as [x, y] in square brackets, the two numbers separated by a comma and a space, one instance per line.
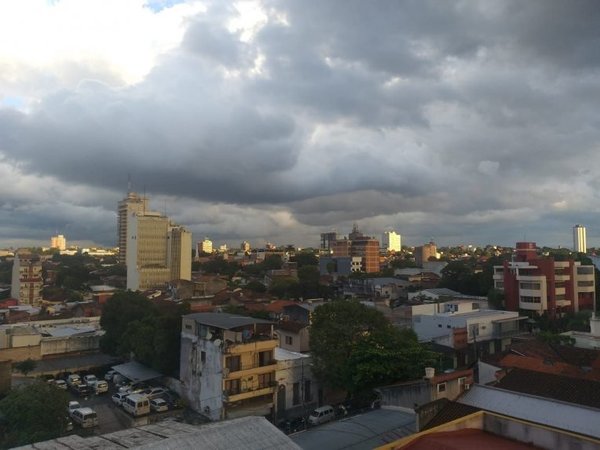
[566, 416]
[282, 354]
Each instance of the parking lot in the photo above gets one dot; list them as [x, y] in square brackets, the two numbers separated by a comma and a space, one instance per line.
[112, 417]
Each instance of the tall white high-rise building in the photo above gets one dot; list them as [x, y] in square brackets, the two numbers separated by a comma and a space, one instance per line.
[579, 241]
[391, 241]
[205, 246]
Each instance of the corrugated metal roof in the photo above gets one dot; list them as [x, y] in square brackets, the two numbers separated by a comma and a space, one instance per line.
[136, 372]
[223, 320]
[566, 416]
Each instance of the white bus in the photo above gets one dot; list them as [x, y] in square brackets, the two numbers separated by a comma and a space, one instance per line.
[136, 405]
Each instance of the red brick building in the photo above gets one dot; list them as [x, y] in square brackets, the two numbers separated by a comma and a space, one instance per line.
[534, 283]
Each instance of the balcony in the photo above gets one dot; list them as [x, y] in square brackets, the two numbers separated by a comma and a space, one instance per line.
[558, 277]
[249, 369]
[236, 396]
[254, 345]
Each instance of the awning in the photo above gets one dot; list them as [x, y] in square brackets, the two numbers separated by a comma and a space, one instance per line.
[135, 371]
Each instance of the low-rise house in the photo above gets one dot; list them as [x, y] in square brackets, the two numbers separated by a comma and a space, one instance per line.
[297, 389]
[294, 336]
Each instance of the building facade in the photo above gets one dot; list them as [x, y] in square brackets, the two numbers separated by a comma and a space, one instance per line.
[425, 252]
[579, 239]
[205, 246]
[541, 284]
[228, 367]
[27, 279]
[59, 242]
[327, 240]
[359, 246]
[391, 241]
[157, 251]
[128, 207]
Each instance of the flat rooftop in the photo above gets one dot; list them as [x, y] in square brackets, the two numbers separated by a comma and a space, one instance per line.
[224, 321]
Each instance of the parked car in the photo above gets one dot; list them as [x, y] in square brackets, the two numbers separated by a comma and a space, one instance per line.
[321, 415]
[73, 380]
[85, 417]
[159, 405]
[154, 392]
[90, 380]
[134, 388]
[100, 387]
[108, 376]
[136, 405]
[73, 405]
[118, 398]
[61, 384]
[81, 390]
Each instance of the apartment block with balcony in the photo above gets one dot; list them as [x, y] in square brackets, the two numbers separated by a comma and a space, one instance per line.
[228, 366]
[542, 284]
[27, 280]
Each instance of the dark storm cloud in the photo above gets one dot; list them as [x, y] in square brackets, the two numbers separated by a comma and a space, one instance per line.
[435, 118]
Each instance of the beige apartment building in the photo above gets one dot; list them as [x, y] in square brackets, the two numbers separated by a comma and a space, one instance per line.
[130, 205]
[59, 242]
[27, 280]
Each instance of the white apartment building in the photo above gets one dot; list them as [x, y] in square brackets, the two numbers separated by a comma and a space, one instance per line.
[391, 241]
[59, 242]
[205, 246]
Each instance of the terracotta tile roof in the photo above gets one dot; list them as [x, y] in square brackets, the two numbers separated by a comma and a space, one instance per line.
[566, 389]
[549, 366]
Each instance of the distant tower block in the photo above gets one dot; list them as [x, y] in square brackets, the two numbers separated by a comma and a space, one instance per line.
[579, 239]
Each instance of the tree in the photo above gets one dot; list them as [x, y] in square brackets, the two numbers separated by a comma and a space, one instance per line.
[26, 366]
[120, 311]
[356, 348]
[33, 413]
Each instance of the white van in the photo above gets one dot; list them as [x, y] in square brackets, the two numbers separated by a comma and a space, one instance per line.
[321, 415]
[85, 417]
[136, 405]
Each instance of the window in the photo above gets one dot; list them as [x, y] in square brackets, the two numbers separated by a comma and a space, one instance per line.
[441, 387]
[188, 326]
[529, 285]
[289, 340]
[202, 357]
[307, 393]
[296, 394]
[232, 387]
[585, 283]
[462, 381]
[265, 358]
[266, 380]
[233, 363]
[528, 299]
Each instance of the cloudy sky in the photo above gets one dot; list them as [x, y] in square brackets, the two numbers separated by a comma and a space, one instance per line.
[467, 122]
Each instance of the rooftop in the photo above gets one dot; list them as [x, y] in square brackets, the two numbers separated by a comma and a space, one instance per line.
[225, 321]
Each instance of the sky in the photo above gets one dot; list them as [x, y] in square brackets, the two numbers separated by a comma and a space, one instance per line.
[465, 122]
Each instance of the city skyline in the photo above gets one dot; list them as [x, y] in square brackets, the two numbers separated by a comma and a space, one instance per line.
[274, 121]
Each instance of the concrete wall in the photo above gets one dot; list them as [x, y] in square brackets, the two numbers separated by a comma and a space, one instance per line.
[296, 371]
[428, 411]
[54, 346]
[202, 382]
[536, 435]
[406, 395]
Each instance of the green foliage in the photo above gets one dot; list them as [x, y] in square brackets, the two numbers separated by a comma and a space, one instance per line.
[556, 339]
[355, 348]
[285, 287]
[256, 286]
[219, 266]
[25, 367]
[135, 325]
[118, 313]
[496, 299]
[33, 413]
[305, 258]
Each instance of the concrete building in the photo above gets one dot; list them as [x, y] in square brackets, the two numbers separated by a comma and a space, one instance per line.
[542, 284]
[579, 239]
[327, 240]
[59, 242]
[297, 388]
[425, 252]
[245, 247]
[157, 251]
[27, 279]
[391, 241]
[360, 246]
[128, 207]
[227, 365]
[205, 246]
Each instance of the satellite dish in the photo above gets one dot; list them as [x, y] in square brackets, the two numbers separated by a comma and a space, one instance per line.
[218, 342]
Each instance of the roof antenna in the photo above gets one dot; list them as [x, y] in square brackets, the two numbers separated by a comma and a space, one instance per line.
[129, 183]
